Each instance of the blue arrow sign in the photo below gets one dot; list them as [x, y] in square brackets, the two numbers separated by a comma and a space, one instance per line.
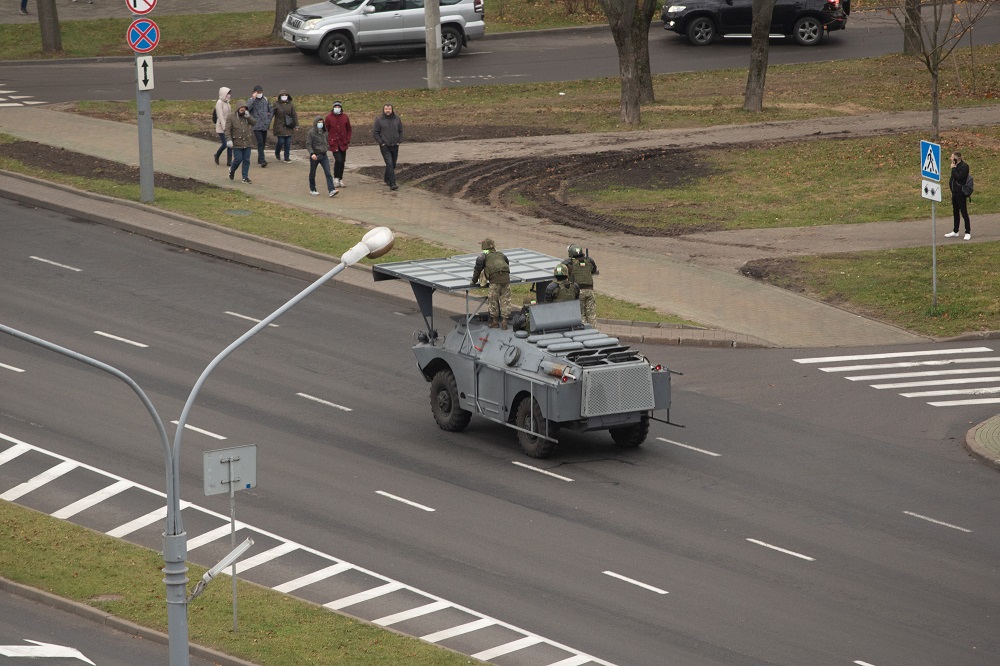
[930, 160]
[143, 35]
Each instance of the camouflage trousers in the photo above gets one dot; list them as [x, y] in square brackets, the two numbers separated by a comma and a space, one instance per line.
[499, 301]
[588, 306]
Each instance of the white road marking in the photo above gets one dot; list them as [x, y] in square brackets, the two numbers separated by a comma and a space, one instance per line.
[256, 321]
[213, 535]
[367, 595]
[404, 501]
[92, 499]
[986, 390]
[963, 403]
[200, 431]
[140, 522]
[576, 660]
[542, 471]
[420, 611]
[910, 364]
[313, 577]
[324, 402]
[937, 382]
[928, 373]
[863, 663]
[782, 550]
[10, 367]
[938, 522]
[864, 357]
[19, 448]
[688, 446]
[23, 489]
[460, 630]
[48, 261]
[265, 557]
[634, 582]
[125, 340]
[43, 651]
[513, 646]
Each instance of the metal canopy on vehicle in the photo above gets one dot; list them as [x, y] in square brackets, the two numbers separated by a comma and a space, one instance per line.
[455, 274]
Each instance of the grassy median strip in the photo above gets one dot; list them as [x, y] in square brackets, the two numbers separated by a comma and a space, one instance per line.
[125, 580]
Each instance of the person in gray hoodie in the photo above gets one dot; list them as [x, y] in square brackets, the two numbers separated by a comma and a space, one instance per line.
[388, 133]
[262, 111]
[317, 147]
[222, 111]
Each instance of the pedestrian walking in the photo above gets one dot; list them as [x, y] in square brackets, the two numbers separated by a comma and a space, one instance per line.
[239, 130]
[317, 146]
[562, 288]
[388, 133]
[285, 120]
[24, 7]
[262, 111]
[582, 270]
[957, 183]
[494, 265]
[222, 112]
[338, 126]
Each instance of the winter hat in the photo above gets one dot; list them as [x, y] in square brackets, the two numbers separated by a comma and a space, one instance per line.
[258, 88]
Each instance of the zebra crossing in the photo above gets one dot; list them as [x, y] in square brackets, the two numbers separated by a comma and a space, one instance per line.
[12, 98]
[943, 377]
[70, 490]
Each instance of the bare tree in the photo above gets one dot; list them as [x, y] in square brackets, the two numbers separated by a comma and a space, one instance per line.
[629, 21]
[48, 24]
[936, 36]
[281, 9]
[753, 98]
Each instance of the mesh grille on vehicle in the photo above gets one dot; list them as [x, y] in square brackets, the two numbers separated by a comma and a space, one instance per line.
[294, 22]
[617, 389]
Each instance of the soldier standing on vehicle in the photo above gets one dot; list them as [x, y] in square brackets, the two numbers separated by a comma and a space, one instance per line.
[495, 267]
[562, 289]
[582, 270]
[521, 320]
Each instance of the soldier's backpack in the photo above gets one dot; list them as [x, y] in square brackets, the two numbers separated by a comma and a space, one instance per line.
[968, 187]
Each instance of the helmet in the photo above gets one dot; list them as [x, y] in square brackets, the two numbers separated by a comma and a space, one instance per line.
[488, 244]
[560, 271]
[574, 251]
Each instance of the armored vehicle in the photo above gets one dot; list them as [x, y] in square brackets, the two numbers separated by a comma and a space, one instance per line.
[555, 374]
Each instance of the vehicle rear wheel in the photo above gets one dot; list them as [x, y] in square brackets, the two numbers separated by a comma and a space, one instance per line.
[629, 437]
[336, 49]
[701, 31]
[808, 31]
[451, 42]
[444, 403]
[529, 417]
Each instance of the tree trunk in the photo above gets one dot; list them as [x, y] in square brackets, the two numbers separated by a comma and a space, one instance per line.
[753, 98]
[48, 24]
[629, 22]
[935, 118]
[911, 27]
[281, 9]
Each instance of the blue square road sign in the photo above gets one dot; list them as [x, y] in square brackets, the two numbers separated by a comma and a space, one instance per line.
[930, 160]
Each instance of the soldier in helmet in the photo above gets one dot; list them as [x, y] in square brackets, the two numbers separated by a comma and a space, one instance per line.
[562, 288]
[494, 266]
[582, 270]
[521, 320]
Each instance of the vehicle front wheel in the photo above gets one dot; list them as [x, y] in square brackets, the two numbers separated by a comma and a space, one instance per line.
[629, 437]
[336, 49]
[808, 31]
[444, 403]
[451, 42]
[701, 31]
[529, 417]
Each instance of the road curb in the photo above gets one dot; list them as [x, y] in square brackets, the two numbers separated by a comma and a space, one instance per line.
[983, 442]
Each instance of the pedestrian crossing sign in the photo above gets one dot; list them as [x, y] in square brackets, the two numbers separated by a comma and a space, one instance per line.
[930, 160]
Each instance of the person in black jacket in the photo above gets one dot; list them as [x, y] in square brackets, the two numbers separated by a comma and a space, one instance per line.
[959, 205]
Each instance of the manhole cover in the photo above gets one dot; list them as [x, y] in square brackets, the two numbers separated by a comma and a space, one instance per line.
[238, 211]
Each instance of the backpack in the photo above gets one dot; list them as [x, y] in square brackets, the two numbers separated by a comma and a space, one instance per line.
[968, 187]
[215, 115]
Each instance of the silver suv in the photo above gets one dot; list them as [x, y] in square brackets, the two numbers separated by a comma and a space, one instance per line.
[338, 29]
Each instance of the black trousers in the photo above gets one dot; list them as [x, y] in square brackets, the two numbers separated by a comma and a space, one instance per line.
[339, 157]
[389, 155]
[261, 140]
[959, 207]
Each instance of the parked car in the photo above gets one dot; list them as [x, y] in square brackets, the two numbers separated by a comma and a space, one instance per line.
[805, 21]
[338, 29]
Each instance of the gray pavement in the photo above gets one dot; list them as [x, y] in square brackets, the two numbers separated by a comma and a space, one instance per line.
[81, 10]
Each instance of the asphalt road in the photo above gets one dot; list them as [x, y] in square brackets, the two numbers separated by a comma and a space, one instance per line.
[664, 554]
[525, 58]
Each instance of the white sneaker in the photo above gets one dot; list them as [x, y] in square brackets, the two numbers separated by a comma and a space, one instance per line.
[314, 193]
[951, 234]
[968, 236]
[340, 182]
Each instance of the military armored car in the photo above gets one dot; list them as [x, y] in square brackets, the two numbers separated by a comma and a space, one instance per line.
[554, 374]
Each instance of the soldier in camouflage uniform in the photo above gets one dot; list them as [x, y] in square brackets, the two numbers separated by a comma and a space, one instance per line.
[495, 267]
[582, 270]
[562, 288]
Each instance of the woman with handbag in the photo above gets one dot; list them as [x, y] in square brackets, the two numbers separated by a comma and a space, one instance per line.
[285, 120]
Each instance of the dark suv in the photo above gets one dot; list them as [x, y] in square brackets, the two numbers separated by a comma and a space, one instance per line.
[802, 20]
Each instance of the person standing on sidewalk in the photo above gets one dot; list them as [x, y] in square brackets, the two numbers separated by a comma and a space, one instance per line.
[959, 200]
[495, 267]
[24, 7]
[338, 126]
[222, 113]
[317, 146]
[582, 270]
[239, 129]
[388, 133]
[285, 120]
[262, 111]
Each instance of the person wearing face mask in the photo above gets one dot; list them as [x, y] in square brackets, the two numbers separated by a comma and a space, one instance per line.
[239, 130]
[388, 133]
[338, 127]
[222, 111]
[317, 146]
[262, 111]
[285, 120]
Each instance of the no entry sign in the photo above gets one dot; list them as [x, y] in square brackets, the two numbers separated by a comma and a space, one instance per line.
[143, 35]
[140, 6]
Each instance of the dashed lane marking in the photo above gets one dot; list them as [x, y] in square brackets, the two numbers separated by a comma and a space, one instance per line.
[938, 522]
[55, 263]
[782, 550]
[120, 339]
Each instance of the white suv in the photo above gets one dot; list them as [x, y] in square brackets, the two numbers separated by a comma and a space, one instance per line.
[338, 29]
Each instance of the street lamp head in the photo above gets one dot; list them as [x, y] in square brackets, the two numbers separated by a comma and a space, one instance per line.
[374, 244]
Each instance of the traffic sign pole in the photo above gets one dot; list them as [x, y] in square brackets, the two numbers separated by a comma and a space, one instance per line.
[142, 36]
[143, 106]
[930, 168]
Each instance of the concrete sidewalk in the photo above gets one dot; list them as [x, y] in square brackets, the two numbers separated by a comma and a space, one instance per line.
[660, 273]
